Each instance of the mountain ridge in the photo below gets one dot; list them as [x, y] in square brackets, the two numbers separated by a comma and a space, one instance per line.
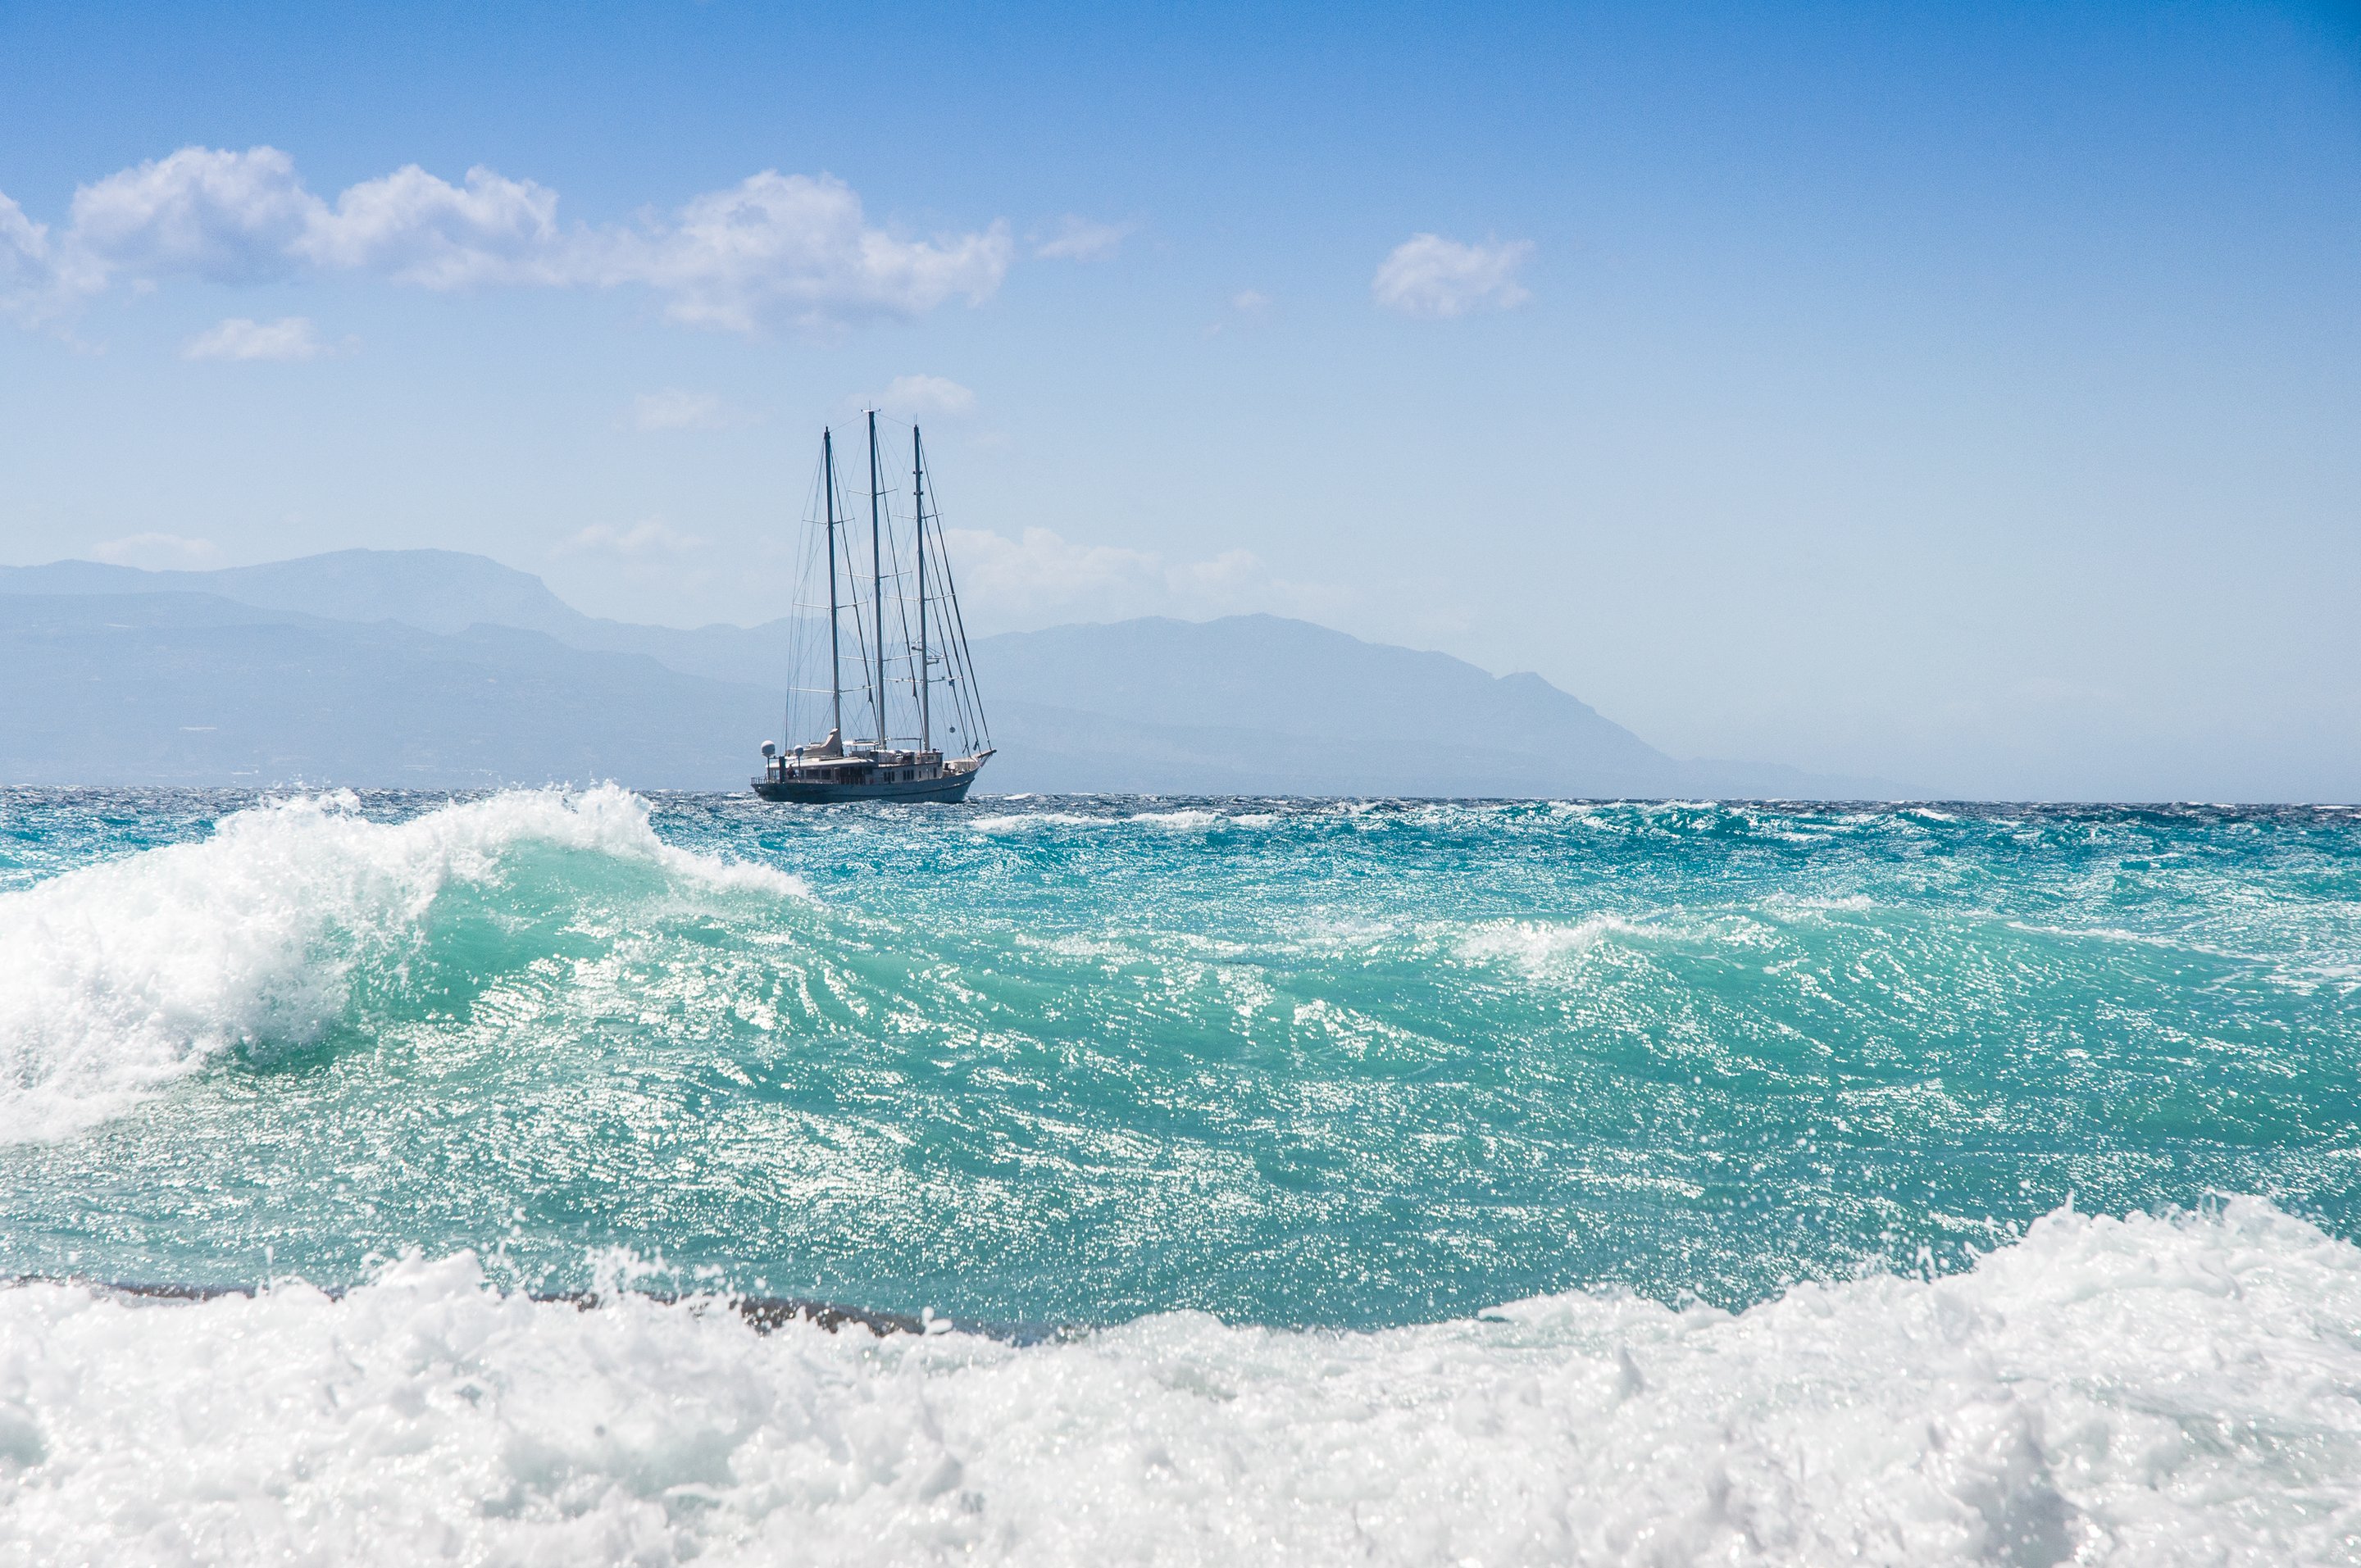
[434, 590]
[1254, 704]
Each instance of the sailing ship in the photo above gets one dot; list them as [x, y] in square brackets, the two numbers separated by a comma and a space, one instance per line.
[900, 694]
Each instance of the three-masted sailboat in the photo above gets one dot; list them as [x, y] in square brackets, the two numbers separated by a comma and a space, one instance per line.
[893, 684]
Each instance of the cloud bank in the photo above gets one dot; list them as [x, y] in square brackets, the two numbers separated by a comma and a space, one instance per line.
[649, 536]
[1083, 239]
[676, 408]
[289, 337]
[1427, 275]
[26, 270]
[157, 551]
[789, 248]
[1042, 577]
[910, 396]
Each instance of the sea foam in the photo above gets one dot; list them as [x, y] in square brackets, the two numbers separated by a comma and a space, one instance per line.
[1535, 946]
[117, 978]
[2149, 1390]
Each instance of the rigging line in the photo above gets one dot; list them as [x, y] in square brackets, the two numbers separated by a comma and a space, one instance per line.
[800, 641]
[925, 676]
[853, 577]
[952, 675]
[906, 660]
[878, 588]
[803, 632]
[958, 676]
[963, 686]
[959, 660]
[959, 625]
[972, 688]
[902, 609]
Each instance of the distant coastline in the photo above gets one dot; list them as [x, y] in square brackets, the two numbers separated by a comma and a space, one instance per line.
[435, 669]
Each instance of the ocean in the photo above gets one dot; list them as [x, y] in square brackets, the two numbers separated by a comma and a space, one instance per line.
[1269, 1180]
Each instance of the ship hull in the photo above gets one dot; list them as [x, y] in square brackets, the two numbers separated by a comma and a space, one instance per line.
[819, 792]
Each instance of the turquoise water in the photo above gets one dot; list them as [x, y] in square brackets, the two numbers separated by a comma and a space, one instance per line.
[1083, 1061]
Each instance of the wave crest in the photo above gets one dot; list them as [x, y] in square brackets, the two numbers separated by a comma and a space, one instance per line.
[126, 975]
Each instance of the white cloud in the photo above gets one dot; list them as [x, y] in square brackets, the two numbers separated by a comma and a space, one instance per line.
[289, 337]
[24, 244]
[415, 228]
[156, 551]
[795, 247]
[241, 218]
[909, 395]
[1430, 276]
[232, 217]
[24, 271]
[776, 247]
[1043, 577]
[675, 409]
[649, 536]
[1248, 307]
[1080, 240]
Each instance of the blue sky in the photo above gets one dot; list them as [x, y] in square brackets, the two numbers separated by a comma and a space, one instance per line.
[1964, 395]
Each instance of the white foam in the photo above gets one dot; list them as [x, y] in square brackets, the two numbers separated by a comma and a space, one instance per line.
[1538, 947]
[116, 977]
[1025, 821]
[2149, 1391]
[1821, 903]
[1184, 820]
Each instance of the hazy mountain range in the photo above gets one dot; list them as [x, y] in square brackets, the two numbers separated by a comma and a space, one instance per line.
[435, 669]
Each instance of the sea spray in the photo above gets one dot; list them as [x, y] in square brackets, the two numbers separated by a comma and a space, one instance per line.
[2151, 1390]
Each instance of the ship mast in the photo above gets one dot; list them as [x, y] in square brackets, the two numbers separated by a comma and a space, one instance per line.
[877, 575]
[926, 675]
[958, 670]
[835, 627]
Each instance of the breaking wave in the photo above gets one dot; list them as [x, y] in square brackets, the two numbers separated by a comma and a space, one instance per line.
[125, 975]
[2146, 1390]
[1764, 1120]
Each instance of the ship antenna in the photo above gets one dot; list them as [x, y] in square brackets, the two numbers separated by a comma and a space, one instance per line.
[877, 581]
[926, 676]
[835, 627]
